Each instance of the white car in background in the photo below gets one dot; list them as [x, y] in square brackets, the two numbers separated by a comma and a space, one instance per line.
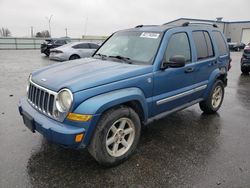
[74, 50]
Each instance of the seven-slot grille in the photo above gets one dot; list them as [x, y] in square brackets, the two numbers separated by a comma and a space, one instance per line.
[41, 98]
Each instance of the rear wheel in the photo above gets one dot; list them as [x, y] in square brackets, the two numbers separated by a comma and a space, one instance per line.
[47, 52]
[244, 71]
[214, 100]
[116, 136]
[74, 57]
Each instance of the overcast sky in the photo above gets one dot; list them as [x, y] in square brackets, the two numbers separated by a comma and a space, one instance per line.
[103, 17]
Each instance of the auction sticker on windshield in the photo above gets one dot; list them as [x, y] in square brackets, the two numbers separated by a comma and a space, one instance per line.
[150, 35]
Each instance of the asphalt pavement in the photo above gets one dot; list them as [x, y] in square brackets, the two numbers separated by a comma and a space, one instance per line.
[185, 149]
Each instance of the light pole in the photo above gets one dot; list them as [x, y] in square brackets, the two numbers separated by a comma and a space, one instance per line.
[31, 32]
[66, 32]
[49, 20]
[86, 26]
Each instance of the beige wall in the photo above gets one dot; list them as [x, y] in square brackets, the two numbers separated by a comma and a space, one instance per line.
[235, 31]
[231, 30]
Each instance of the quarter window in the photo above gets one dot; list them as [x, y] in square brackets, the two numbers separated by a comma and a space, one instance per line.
[220, 43]
[203, 45]
[93, 46]
[178, 45]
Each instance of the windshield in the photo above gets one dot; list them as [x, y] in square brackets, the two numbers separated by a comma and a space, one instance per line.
[137, 46]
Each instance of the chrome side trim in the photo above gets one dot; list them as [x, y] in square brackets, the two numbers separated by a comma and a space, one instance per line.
[174, 97]
[164, 114]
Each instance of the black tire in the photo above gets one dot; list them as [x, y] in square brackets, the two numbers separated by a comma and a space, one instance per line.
[207, 105]
[98, 148]
[74, 57]
[244, 71]
[47, 53]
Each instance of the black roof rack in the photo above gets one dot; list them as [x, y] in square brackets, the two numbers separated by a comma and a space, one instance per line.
[199, 23]
[145, 26]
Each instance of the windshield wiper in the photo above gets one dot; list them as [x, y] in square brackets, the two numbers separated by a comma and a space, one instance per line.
[101, 55]
[126, 59]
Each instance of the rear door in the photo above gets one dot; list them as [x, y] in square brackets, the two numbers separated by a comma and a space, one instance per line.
[84, 49]
[205, 60]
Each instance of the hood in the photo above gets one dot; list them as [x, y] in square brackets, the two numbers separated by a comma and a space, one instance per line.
[86, 73]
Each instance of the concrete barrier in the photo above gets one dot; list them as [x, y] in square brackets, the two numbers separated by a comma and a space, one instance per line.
[8, 43]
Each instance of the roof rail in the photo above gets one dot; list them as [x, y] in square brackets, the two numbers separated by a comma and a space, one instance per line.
[199, 23]
[144, 26]
[138, 26]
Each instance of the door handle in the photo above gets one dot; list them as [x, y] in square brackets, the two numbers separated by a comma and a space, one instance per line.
[212, 63]
[189, 70]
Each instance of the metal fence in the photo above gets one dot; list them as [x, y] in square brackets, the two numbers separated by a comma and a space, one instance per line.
[7, 43]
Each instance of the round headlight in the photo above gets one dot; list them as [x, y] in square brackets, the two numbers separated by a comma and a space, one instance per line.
[64, 100]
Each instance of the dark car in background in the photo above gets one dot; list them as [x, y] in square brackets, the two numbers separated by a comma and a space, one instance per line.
[245, 60]
[52, 43]
[236, 46]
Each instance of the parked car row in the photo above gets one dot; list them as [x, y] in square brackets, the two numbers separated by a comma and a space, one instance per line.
[236, 46]
[63, 49]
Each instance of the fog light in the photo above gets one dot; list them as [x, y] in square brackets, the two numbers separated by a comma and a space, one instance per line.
[79, 117]
[79, 137]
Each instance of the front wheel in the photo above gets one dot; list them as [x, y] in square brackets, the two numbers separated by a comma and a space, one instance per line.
[116, 136]
[214, 100]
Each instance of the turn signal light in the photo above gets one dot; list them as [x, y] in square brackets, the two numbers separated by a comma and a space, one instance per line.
[79, 137]
[79, 117]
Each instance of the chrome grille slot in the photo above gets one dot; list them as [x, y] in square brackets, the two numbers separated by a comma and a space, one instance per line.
[42, 99]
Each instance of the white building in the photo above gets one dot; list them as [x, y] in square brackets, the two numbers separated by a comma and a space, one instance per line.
[237, 31]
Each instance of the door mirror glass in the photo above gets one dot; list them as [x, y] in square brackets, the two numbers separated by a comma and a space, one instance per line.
[175, 62]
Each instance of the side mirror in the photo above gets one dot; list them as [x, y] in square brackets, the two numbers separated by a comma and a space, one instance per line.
[174, 62]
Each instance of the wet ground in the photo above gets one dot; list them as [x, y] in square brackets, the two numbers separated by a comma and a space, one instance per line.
[186, 149]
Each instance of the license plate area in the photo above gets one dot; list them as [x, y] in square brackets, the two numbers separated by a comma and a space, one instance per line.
[29, 121]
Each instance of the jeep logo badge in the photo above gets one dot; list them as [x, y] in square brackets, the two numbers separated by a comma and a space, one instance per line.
[43, 79]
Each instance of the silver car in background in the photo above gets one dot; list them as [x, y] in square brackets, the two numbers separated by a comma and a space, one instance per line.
[74, 50]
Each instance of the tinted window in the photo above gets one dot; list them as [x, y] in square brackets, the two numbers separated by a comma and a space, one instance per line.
[93, 46]
[60, 42]
[203, 45]
[81, 46]
[220, 43]
[178, 45]
[209, 45]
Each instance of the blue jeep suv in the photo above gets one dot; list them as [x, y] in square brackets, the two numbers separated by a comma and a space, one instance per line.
[137, 76]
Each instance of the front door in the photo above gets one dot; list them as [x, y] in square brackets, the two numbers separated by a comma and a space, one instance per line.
[173, 86]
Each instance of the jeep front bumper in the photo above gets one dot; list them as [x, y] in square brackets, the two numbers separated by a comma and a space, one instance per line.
[57, 132]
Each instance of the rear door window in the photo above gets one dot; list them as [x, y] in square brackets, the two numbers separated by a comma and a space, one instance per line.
[93, 46]
[203, 44]
[81, 46]
[220, 43]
